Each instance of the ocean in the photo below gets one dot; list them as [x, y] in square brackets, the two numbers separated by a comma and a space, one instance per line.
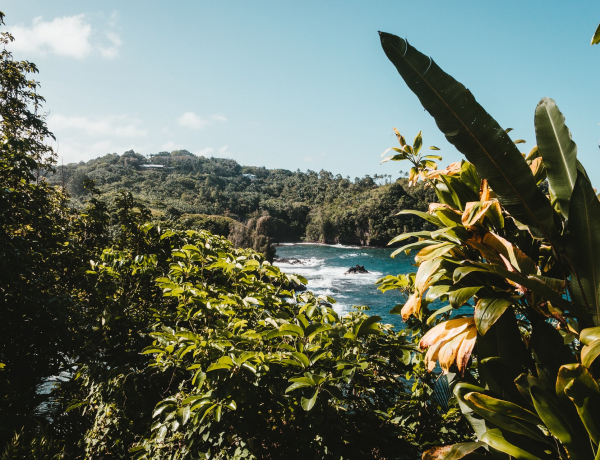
[324, 267]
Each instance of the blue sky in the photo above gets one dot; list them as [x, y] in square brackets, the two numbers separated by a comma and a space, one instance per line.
[301, 85]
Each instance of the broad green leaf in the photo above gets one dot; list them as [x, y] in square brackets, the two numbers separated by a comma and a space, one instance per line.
[503, 421]
[583, 391]
[476, 422]
[308, 403]
[413, 246]
[217, 366]
[417, 143]
[488, 311]
[300, 382]
[437, 312]
[405, 236]
[423, 215]
[589, 335]
[183, 415]
[475, 134]
[549, 411]
[292, 329]
[301, 358]
[169, 407]
[433, 251]
[503, 340]
[369, 326]
[501, 378]
[558, 152]
[583, 246]
[503, 407]
[589, 353]
[526, 451]
[461, 296]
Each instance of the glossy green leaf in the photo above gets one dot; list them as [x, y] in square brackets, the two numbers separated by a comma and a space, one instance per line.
[558, 152]
[477, 423]
[589, 335]
[590, 353]
[369, 326]
[292, 329]
[525, 451]
[583, 391]
[583, 246]
[549, 411]
[488, 311]
[423, 215]
[505, 408]
[405, 236]
[461, 296]
[505, 422]
[301, 358]
[439, 311]
[309, 403]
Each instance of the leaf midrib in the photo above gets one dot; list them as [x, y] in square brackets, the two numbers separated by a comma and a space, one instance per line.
[560, 147]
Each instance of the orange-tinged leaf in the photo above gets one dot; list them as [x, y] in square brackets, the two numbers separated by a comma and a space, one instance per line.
[484, 191]
[465, 350]
[451, 327]
[412, 306]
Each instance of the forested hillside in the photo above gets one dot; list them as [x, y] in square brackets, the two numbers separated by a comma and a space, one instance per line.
[191, 190]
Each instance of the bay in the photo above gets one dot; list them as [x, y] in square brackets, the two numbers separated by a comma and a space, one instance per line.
[324, 267]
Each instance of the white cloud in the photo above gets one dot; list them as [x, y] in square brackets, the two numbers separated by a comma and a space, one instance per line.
[111, 126]
[111, 51]
[193, 121]
[219, 117]
[70, 36]
[312, 159]
[205, 151]
[71, 150]
[170, 146]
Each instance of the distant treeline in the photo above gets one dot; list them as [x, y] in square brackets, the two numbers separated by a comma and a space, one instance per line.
[219, 194]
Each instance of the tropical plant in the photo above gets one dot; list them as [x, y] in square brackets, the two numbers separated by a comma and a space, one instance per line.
[520, 272]
[421, 164]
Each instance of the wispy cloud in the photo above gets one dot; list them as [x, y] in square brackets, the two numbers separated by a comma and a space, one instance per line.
[83, 138]
[218, 117]
[111, 126]
[69, 36]
[112, 51]
[194, 121]
[170, 146]
[205, 151]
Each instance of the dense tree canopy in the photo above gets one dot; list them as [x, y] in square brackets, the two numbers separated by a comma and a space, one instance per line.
[301, 205]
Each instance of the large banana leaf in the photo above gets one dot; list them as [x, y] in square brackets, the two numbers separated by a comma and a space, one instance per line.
[584, 246]
[476, 134]
[558, 151]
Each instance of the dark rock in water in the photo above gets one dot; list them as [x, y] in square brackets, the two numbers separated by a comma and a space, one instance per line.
[298, 287]
[357, 269]
[291, 261]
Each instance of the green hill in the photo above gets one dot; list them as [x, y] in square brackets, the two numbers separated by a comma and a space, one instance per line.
[217, 193]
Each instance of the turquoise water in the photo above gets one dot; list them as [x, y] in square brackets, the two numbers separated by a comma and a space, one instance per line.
[324, 267]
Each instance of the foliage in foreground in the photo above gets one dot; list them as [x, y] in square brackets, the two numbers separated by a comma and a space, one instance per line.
[123, 338]
[530, 265]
